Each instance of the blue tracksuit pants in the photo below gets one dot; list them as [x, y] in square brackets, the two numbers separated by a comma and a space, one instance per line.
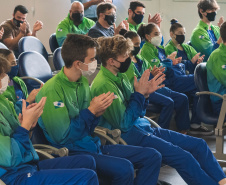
[73, 170]
[116, 165]
[190, 156]
[169, 101]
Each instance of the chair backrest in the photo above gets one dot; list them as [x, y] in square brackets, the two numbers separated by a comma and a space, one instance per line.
[30, 43]
[38, 136]
[33, 64]
[53, 44]
[58, 61]
[3, 46]
[204, 107]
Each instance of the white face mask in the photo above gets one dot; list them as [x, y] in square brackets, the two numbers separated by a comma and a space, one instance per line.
[91, 68]
[4, 83]
[156, 41]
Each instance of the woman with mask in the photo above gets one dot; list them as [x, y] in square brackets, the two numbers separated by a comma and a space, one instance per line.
[17, 89]
[205, 37]
[19, 162]
[176, 78]
[164, 98]
[190, 58]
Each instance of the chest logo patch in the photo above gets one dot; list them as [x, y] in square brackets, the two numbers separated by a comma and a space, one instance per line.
[201, 37]
[58, 104]
[60, 30]
[154, 60]
[223, 67]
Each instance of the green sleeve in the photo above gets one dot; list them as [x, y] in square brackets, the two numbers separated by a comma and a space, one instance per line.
[61, 32]
[149, 55]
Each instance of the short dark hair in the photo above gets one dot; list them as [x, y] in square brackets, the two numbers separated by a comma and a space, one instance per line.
[207, 5]
[175, 25]
[103, 7]
[130, 34]
[145, 29]
[75, 48]
[134, 4]
[21, 9]
[5, 66]
[223, 32]
[5, 52]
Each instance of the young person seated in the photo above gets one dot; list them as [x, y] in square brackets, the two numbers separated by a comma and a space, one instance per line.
[69, 119]
[190, 58]
[164, 98]
[19, 162]
[75, 22]
[17, 89]
[176, 77]
[190, 156]
[105, 26]
[216, 72]
[205, 37]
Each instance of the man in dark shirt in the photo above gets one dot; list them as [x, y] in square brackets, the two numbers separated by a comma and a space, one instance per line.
[18, 27]
[105, 26]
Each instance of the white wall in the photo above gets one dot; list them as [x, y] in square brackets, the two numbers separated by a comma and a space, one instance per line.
[51, 12]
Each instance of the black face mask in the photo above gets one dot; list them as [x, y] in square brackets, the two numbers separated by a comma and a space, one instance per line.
[110, 19]
[180, 39]
[124, 65]
[135, 51]
[77, 17]
[17, 22]
[211, 16]
[138, 18]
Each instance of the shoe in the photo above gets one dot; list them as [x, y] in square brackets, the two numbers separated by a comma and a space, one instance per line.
[201, 131]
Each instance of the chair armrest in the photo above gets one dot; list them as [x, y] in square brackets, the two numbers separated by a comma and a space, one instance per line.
[52, 150]
[153, 123]
[2, 183]
[32, 78]
[115, 134]
[43, 155]
[209, 93]
[103, 137]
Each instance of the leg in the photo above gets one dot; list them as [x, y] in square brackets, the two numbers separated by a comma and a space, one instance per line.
[114, 170]
[198, 148]
[172, 155]
[66, 177]
[70, 162]
[167, 106]
[147, 161]
[182, 110]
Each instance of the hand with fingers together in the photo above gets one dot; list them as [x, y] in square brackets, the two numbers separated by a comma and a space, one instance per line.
[31, 113]
[157, 70]
[1, 33]
[100, 103]
[157, 19]
[31, 97]
[175, 60]
[197, 58]
[146, 86]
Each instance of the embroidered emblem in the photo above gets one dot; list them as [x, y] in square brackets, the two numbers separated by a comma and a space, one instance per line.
[58, 104]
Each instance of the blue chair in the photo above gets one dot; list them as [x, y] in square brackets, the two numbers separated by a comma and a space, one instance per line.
[3, 46]
[53, 42]
[30, 43]
[33, 64]
[205, 111]
[58, 61]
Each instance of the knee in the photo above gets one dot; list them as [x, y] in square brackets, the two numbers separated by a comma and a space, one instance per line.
[152, 157]
[89, 162]
[125, 169]
[91, 177]
[201, 145]
[169, 103]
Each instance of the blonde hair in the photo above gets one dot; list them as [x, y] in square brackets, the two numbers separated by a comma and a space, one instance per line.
[112, 47]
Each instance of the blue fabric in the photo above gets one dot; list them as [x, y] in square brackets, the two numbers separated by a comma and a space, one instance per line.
[169, 101]
[99, 31]
[183, 54]
[115, 165]
[61, 171]
[90, 12]
[138, 64]
[213, 39]
[190, 156]
[22, 146]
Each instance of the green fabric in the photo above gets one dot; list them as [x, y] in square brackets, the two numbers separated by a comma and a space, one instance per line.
[106, 81]
[134, 28]
[10, 91]
[67, 26]
[189, 50]
[200, 39]
[57, 120]
[150, 53]
[216, 64]
[133, 71]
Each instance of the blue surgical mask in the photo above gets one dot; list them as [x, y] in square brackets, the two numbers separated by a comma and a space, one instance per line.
[13, 72]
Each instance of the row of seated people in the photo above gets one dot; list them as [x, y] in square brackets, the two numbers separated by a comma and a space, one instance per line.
[177, 58]
[68, 110]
